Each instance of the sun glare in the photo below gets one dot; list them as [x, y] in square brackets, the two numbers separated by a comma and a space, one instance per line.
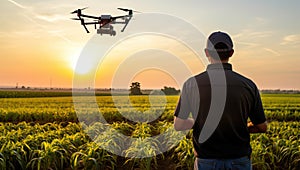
[79, 66]
[73, 62]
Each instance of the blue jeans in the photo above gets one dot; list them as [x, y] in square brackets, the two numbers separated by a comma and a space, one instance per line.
[243, 163]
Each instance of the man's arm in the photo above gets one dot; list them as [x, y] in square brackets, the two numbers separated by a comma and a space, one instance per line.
[183, 124]
[259, 128]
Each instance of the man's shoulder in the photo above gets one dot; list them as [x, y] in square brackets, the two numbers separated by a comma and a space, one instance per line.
[195, 81]
[200, 78]
[243, 79]
[203, 78]
[232, 77]
[202, 75]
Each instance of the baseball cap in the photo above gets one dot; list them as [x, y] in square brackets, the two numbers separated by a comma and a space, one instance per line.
[219, 37]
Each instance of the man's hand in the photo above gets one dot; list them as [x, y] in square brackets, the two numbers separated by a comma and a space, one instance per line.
[183, 124]
[259, 128]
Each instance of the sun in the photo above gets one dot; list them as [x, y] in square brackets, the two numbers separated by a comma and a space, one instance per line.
[73, 62]
[79, 65]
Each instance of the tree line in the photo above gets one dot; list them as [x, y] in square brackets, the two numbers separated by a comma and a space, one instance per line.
[135, 89]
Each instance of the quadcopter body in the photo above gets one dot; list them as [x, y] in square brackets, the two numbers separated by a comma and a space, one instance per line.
[105, 21]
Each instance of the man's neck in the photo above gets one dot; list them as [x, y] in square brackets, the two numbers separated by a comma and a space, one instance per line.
[214, 61]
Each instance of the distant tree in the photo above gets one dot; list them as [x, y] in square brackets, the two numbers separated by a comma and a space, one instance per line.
[170, 90]
[135, 88]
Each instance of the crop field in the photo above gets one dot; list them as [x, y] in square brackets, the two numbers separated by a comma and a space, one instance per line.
[44, 133]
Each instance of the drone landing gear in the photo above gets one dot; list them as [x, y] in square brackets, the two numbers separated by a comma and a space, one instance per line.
[113, 33]
[107, 30]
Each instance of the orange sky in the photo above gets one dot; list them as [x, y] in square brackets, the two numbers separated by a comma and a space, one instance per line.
[40, 44]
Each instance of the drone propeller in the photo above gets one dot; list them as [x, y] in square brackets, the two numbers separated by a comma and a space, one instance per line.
[75, 18]
[128, 10]
[78, 10]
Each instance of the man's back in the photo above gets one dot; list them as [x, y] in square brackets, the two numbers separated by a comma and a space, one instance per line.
[231, 137]
[221, 101]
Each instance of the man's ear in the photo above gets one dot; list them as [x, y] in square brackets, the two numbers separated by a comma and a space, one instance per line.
[231, 53]
[207, 52]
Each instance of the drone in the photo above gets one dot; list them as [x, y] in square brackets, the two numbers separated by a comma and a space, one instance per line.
[105, 21]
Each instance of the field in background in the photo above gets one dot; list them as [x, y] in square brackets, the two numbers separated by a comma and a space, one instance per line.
[44, 133]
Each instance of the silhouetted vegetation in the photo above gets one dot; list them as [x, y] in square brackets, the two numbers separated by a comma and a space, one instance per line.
[28, 93]
[278, 91]
[135, 88]
[170, 91]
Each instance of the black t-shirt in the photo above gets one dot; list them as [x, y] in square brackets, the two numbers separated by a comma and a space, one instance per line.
[221, 101]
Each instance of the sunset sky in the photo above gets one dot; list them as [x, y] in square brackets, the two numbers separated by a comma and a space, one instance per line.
[40, 45]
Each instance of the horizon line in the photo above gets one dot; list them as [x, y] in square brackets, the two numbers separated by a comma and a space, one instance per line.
[109, 88]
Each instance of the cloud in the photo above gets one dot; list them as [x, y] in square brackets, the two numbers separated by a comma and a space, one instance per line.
[249, 38]
[57, 33]
[17, 4]
[51, 18]
[250, 34]
[291, 39]
[272, 51]
[47, 18]
[247, 44]
[260, 20]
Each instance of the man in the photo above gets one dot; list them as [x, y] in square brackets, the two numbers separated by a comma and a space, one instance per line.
[220, 101]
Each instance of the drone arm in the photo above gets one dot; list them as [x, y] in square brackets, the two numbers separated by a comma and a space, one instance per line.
[89, 16]
[91, 23]
[117, 17]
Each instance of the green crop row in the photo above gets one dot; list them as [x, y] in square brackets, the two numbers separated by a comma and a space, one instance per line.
[31, 93]
[36, 93]
[65, 145]
[120, 108]
[43, 144]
